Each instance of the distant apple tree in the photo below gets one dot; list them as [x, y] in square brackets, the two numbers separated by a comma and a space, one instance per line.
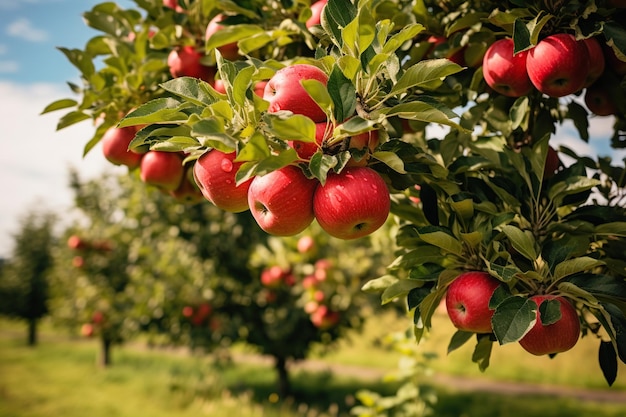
[488, 191]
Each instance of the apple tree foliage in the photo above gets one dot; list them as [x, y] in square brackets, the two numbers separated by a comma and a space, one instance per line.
[476, 197]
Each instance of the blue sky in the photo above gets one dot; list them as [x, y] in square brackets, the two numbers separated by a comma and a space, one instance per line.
[35, 158]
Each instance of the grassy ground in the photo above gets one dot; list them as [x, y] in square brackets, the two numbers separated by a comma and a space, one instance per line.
[60, 378]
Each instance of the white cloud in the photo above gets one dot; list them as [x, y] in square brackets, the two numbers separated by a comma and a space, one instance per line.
[9, 67]
[35, 158]
[24, 29]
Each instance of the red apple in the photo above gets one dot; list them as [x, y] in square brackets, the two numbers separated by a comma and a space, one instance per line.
[187, 311]
[324, 318]
[597, 61]
[613, 62]
[352, 204]
[273, 276]
[467, 301]
[366, 140]
[504, 71]
[599, 101]
[219, 86]
[229, 51]
[215, 173]
[185, 61]
[558, 65]
[552, 163]
[259, 88]
[78, 261]
[97, 317]
[305, 244]
[77, 243]
[316, 9]
[87, 330]
[556, 337]
[164, 170]
[115, 143]
[306, 150]
[282, 201]
[173, 4]
[284, 91]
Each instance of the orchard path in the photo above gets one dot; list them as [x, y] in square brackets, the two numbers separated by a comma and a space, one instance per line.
[452, 382]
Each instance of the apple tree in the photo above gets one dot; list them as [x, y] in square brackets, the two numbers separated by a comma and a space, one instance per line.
[25, 277]
[453, 105]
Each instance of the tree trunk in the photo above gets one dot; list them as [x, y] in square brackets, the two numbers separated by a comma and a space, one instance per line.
[32, 332]
[104, 360]
[284, 386]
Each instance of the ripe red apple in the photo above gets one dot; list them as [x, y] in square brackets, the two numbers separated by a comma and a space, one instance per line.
[77, 243]
[599, 101]
[115, 143]
[352, 204]
[306, 150]
[282, 201]
[275, 276]
[219, 86]
[504, 71]
[187, 311]
[173, 4]
[229, 51]
[467, 301]
[215, 173]
[185, 61]
[556, 337]
[558, 65]
[552, 163]
[324, 318]
[87, 330]
[366, 140]
[597, 61]
[284, 91]
[613, 62]
[259, 88]
[316, 9]
[164, 170]
[305, 244]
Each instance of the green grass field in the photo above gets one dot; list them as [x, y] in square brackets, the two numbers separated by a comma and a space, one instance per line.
[60, 378]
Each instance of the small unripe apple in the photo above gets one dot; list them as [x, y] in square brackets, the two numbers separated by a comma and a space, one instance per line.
[282, 201]
[556, 337]
[115, 143]
[215, 173]
[353, 203]
[185, 62]
[284, 91]
[164, 170]
[467, 301]
[558, 65]
[505, 71]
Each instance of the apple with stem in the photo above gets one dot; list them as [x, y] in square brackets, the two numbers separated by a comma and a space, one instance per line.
[558, 65]
[185, 62]
[215, 174]
[467, 301]
[353, 203]
[504, 71]
[281, 201]
[560, 336]
[115, 149]
[161, 169]
[284, 91]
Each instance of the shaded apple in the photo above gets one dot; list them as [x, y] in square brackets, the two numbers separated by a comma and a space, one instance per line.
[185, 62]
[229, 51]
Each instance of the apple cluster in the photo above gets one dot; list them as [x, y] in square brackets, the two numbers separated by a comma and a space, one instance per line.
[470, 308]
[350, 204]
[199, 315]
[559, 65]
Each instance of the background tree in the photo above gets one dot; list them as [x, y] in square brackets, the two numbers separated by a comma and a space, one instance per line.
[25, 277]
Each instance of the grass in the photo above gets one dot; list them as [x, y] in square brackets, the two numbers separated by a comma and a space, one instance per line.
[60, 377]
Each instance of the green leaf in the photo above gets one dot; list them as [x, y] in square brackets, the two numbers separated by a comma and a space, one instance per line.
[379, 284]
[580, 117]
[428, 74]
[319, 93]
[196, 91]
[59, 105]
[522, 241]
[513, 318]
[571, 185]
[391, 159]
[342, 93]
[444, 241]
[482, 352]
[320, 164]
[607, 357]
[574, 266]
[423, 111]
[159, 110]
[290, 127]
[407, 33]
[458, 339]
[71, 118]
[611, 229]
[231, 34]
[399, 289]
[335, 18]
[549, 312]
